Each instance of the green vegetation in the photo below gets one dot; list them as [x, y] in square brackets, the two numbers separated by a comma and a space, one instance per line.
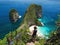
[22, 39]
[31, 15]
[55, 38]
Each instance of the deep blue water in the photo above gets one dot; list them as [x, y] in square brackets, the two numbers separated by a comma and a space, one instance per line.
[49, 16]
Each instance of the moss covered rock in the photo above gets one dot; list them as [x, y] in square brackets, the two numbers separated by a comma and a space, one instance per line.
[32, 14]
[13, 15]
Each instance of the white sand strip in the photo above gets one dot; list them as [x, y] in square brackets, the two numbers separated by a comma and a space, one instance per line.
[31, 28]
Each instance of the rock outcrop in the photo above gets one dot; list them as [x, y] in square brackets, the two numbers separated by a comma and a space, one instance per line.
[13, 15]
[32, 14]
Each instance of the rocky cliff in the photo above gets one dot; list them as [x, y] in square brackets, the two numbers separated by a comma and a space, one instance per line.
[32, 14]
[13, 15]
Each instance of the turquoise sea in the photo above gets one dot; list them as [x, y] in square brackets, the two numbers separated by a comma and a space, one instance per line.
[50, 10]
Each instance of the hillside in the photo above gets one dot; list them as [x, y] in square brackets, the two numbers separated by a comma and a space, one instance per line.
[54, 39]
[32, 14]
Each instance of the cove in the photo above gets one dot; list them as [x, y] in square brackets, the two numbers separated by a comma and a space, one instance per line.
[47, 27]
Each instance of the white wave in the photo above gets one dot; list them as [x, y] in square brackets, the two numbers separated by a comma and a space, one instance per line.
[42, 24]
[19, 16]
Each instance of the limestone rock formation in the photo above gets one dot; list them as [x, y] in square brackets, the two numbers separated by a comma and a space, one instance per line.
[13, 15]
[32, 14]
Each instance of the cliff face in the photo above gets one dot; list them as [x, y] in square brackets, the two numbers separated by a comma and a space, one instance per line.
[32, 14]
[13, 15]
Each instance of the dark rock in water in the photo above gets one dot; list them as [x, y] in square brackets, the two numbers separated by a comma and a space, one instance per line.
[32, 14]
[13, 15]
[55, 39]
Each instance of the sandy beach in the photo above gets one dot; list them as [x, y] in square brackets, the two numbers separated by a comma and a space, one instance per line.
[31, 28]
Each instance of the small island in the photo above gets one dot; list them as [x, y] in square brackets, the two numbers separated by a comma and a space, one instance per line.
[13, 15]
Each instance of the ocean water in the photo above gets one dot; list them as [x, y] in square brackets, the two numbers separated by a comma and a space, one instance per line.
[5, 24]
[49, 16]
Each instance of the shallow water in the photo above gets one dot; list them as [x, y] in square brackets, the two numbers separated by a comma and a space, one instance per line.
[48, 25]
